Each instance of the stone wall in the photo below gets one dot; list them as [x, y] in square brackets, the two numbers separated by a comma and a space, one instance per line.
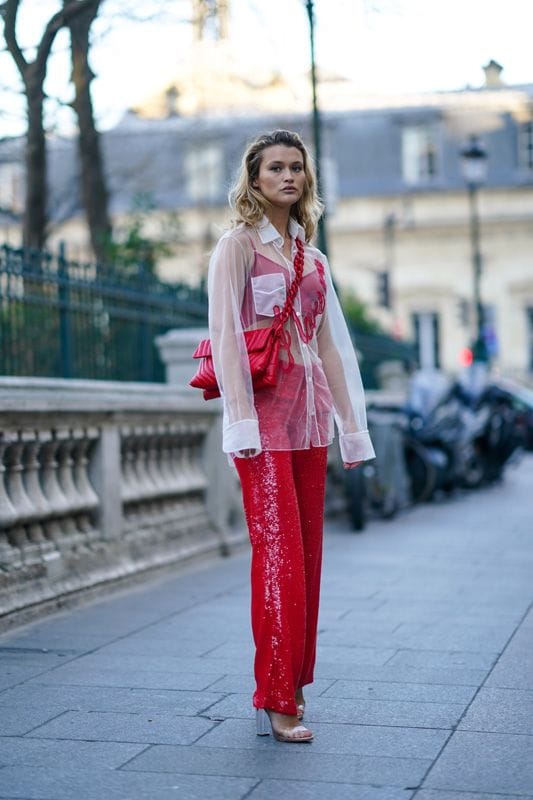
[99, 481]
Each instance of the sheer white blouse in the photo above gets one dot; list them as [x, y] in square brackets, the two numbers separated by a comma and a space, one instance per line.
[319, 379]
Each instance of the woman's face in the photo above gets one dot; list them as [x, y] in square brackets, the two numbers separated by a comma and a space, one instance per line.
[281, 176]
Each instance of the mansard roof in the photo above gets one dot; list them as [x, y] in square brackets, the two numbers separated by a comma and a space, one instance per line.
[149, 156]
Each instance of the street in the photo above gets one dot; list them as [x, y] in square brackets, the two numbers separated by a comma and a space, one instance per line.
[424, 684]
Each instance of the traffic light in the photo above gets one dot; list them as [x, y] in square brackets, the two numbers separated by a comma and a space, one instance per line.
[383, 289]
[466, 357]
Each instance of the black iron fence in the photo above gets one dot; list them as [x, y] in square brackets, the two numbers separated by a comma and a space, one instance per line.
[64, 318]
[68, 319]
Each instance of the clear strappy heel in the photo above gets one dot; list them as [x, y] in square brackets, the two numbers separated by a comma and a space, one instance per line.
[264, 726]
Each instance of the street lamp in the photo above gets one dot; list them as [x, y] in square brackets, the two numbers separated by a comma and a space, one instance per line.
[317, 128]
[474, 169]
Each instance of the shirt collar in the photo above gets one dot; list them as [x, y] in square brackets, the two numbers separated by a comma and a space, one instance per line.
[268, 233]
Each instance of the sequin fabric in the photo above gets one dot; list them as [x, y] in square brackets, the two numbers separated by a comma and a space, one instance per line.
[283, 496]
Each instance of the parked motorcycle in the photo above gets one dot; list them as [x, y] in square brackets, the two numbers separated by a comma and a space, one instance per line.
[465, 440]
[504, 433]
[379, 488]
[444, 438]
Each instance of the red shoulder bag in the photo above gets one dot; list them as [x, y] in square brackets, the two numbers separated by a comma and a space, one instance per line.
[263, 344]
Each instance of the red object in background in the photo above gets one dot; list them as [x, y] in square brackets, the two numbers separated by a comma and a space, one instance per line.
[466, 357]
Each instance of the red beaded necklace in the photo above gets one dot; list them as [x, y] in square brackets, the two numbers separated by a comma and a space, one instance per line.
[298, 270]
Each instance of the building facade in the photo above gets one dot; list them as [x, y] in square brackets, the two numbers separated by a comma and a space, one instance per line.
[398, 217]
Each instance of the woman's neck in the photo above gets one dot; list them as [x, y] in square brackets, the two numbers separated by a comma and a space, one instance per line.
[280, 220]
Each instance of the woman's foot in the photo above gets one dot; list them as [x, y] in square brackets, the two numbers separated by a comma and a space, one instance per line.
[284, 727]
[300, 703]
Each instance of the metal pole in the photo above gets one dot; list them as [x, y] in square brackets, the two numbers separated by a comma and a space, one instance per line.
[144, 334]
[479, 349]
[317, 130]
[65, 321]
[389, 231]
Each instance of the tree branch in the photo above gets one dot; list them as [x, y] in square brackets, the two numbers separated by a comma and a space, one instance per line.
[58, 21]
[9, 11]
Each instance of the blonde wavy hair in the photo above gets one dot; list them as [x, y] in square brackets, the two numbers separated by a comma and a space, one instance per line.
[249, 204]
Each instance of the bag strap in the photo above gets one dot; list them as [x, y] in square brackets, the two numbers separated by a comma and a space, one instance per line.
[286, 311]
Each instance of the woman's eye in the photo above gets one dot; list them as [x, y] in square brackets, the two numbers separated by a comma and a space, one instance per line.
[297, 168]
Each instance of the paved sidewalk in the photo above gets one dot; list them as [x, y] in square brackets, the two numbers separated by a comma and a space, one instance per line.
[424, 686]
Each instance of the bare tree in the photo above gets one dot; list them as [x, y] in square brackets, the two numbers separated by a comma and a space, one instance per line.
[93, 183]
[33, 74]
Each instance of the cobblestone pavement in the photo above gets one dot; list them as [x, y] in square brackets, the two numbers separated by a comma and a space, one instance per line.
[424, 684]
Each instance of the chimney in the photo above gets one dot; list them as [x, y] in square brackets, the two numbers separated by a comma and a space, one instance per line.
[211, 17]
[492, 72]
[171, 101]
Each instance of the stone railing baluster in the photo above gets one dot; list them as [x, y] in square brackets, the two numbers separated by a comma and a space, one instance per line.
[58, 533]
[10, 556]
[83, 440]
[26, 510]
[165, 457]
[130, 485]
[41, 506]
[199, 434]
[176, 463]
[97, 482]
[147, 487]
[65, 479]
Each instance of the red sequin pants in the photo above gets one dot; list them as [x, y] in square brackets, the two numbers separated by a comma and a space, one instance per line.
[283, 496]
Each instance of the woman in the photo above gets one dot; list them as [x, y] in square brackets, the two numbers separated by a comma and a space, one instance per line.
[278, 436]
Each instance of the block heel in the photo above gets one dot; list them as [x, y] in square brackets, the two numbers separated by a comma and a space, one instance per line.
[264, 726]
[262, 722]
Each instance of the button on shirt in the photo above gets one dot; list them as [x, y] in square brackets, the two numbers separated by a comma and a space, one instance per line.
[319, 379]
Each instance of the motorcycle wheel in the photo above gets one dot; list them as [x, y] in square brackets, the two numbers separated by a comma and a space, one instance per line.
[422, 473]
[474, 472]
[356, 498]
[389, 506]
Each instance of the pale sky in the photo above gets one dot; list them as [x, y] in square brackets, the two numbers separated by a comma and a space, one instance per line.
[387, 46]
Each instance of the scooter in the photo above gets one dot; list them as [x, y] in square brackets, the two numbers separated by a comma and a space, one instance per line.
[503, 435]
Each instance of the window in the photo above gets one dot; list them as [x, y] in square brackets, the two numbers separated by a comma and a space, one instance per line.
[11, 188]
[427, 335]
[525, 147]
[419, 154]
[203, 172]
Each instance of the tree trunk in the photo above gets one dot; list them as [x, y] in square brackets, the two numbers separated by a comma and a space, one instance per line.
[94, 190]
[34, 226]
[33, 75]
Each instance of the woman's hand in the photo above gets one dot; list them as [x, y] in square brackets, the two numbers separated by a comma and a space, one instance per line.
[248, 453]
[352, 464]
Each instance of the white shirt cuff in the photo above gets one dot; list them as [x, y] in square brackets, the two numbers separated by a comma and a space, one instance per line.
[242, 435]
[356, 447]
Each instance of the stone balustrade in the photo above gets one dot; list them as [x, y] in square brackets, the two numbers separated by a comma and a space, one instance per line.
[99, 481]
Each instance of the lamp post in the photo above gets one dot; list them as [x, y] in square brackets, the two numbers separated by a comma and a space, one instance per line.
[317, 128]
[474, 169]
